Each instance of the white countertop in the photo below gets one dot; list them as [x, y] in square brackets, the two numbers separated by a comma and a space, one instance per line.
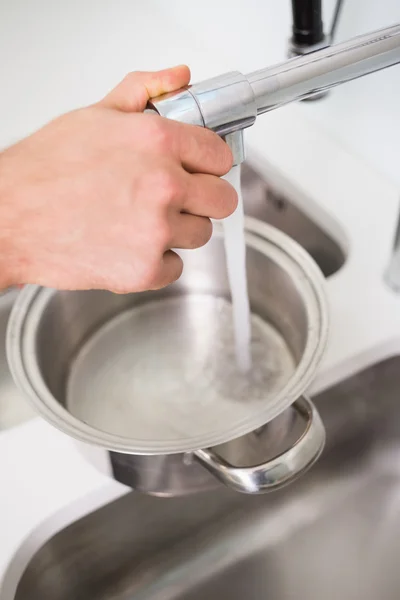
[329, 157]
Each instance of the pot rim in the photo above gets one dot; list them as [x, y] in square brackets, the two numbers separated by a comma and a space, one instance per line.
[310, 282]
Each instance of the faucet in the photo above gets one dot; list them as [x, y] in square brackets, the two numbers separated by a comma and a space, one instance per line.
[231, 102]
[308, 29]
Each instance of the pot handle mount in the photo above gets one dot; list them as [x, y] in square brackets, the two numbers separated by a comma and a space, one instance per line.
[276, 472]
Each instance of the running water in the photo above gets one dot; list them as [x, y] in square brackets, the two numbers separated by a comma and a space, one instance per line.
[235, 249]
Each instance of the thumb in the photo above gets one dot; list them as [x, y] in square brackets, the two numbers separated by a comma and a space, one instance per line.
[133, 93]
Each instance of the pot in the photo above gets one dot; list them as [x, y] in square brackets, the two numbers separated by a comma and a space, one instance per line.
[14, 409]
[78, 357]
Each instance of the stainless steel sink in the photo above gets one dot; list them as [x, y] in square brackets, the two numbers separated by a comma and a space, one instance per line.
[265, 202]
[13, 407]
[335, 534]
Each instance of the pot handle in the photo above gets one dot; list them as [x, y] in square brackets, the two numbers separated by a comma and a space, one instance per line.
[278, 471]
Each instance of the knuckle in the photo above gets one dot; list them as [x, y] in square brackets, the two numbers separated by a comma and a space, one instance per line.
[168, 186]
[132, 78]
[160, 134]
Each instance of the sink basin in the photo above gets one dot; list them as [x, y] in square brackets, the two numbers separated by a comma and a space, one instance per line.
[13, 407]
[266, 203]
[333, 534]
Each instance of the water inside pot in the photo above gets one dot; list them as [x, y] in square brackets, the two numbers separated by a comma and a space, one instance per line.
[167, 370]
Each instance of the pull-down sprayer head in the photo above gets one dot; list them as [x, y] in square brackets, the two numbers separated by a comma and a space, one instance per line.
[229, 103]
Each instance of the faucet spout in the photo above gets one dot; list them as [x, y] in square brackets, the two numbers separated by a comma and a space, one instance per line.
[231, 102]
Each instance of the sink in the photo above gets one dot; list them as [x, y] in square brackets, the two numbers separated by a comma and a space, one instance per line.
[13, 407]
[262, 201]
[335, 533]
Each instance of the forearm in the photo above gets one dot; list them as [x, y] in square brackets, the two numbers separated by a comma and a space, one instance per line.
[8, 217]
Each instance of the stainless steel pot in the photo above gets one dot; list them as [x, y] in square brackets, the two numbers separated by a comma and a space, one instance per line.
[261, 461]
[14, 409]
[49, 329]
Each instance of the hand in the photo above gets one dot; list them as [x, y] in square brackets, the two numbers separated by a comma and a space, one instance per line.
[99, 196]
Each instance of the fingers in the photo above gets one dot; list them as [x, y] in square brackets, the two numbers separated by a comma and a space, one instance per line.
[203, 151]
[171, 269]
[190, 231]
[133, 93]
[209, 196]
[198, 149]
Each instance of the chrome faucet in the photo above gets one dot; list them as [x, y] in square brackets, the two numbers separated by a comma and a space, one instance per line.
[308, 33]
[231, 102]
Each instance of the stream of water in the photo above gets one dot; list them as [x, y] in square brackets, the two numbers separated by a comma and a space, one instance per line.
[235, 249]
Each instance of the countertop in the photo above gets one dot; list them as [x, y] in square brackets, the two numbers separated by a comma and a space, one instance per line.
[324, 156]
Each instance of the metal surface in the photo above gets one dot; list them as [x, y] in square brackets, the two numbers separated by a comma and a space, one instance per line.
[392, 273]
[162, 475]
[265, 202]
[235, 141]
[326, 68]
[276, 472]
[224, 103]
[266, 459]
[14, 409]
[286, 291]
[229, 112]
[231, 101]
[298, 50]
[334, 534]
[194, 395]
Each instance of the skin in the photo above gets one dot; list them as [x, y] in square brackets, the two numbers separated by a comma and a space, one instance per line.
[100, 196]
